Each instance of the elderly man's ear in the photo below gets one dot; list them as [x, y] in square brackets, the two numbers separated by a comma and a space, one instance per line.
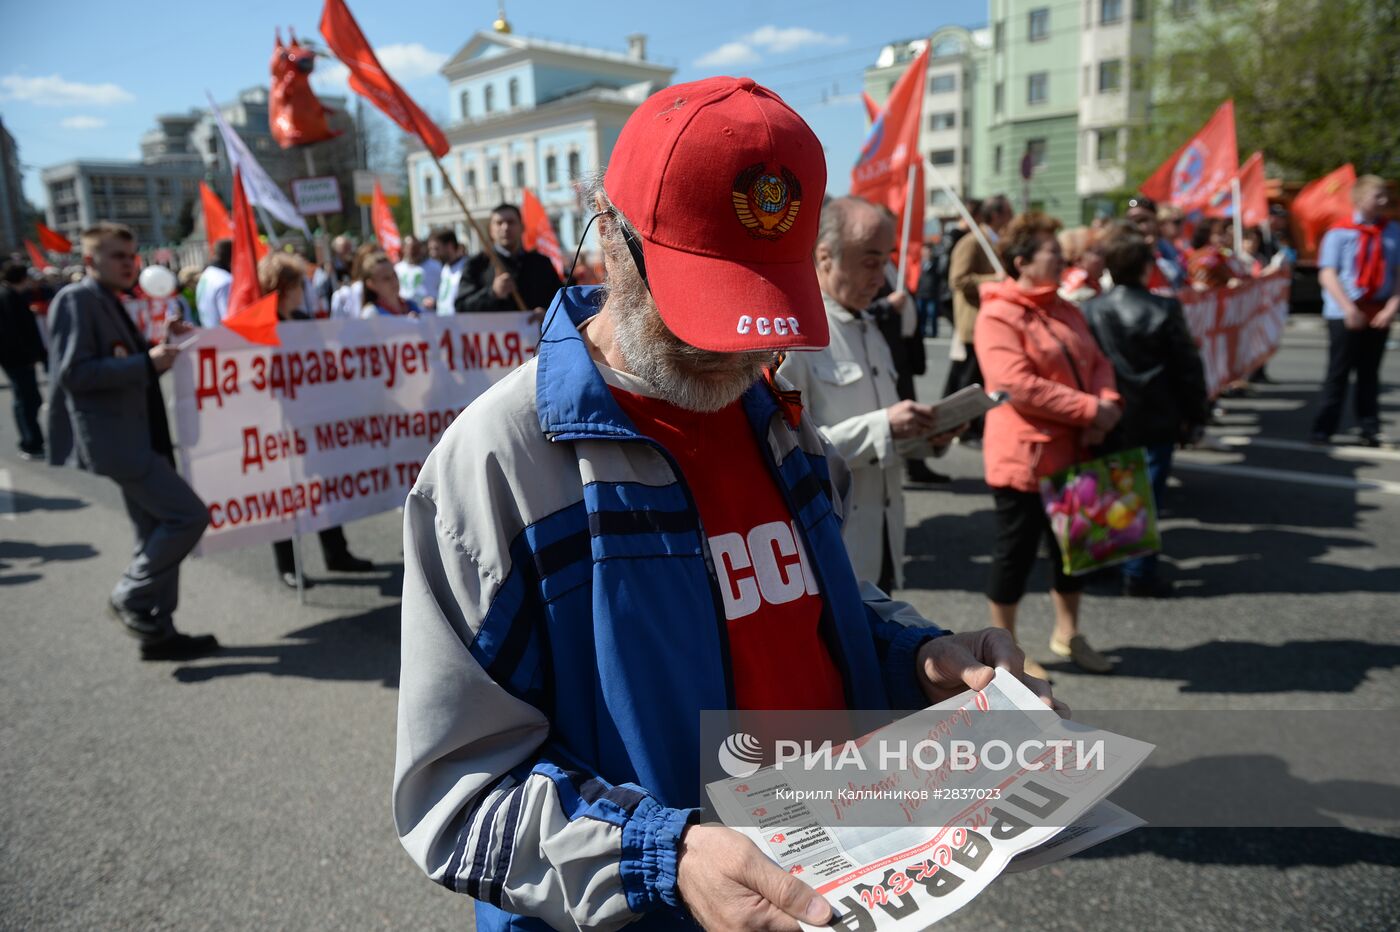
[823, 258]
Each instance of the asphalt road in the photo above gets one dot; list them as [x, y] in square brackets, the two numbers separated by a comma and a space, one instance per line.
[251, 790]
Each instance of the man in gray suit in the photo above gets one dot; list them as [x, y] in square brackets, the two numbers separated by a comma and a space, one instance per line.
[105, 405]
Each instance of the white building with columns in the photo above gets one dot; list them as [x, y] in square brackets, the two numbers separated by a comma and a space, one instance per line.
[528, 113]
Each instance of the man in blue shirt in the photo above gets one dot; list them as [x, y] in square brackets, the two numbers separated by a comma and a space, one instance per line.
[1359, 270]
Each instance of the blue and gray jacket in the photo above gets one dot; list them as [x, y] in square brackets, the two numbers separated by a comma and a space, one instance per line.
[562, 631]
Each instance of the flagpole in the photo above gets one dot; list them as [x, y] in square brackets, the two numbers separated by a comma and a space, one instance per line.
[320, 221]
[489, 249]
[267, 225]
[969, 220]
[908, 221]
[1235, 196]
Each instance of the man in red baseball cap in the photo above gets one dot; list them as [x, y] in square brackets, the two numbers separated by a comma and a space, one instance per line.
[637, 525]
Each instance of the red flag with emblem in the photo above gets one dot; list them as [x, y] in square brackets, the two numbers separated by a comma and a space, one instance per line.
[1200, 168]
[881, 174]
[369, 79]
[251, 314]
[385, 229]
[1254, 195]
[539, 231]
[41, 261]
[52, 240]
[1323, 204]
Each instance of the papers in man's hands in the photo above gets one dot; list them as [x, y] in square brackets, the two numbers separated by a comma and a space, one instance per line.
[964, 405]
[886, 860]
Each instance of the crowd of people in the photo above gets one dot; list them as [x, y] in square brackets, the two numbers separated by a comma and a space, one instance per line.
[713, 476]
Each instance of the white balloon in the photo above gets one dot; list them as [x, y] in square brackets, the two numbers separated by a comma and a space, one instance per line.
[157, 281]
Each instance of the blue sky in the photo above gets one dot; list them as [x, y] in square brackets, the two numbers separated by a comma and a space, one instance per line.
[88, 84]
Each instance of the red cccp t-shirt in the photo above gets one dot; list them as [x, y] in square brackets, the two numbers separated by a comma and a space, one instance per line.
[771, 600]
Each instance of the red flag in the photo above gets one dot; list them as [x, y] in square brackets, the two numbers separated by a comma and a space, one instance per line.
[881, 175]
[368, 77]
[539, 231]
[1199, 169]
[872, 109]
[52, 240]
[216, 222]
[251, 314]
[1322, 204]
[1254, 196]
[385, 229]
[294, 114]
[41, 261]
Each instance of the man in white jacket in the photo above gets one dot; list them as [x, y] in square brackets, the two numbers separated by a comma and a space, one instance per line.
[849, 388]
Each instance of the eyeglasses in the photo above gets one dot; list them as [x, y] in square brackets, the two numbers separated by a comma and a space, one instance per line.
[634, 246]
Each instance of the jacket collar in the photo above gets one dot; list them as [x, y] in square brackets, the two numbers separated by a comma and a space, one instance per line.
[574, 400]
[835, 311]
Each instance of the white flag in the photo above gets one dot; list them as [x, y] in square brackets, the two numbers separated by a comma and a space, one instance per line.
[262, 191]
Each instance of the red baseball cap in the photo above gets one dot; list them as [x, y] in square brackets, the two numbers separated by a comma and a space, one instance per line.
[724, 184]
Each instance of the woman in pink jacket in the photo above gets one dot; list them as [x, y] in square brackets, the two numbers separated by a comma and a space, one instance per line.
[1036, 347]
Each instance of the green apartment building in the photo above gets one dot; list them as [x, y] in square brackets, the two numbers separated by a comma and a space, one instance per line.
[1060, 81]
[1032, 106]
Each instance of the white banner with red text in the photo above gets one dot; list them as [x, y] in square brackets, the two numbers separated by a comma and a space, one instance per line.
[1237, 328]
[334, 424]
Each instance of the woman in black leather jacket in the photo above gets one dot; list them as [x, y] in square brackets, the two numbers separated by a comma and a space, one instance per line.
[1159, 372]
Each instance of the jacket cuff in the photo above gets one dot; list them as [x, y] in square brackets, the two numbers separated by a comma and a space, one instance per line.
[901, 675]
[651, 842]
[882, 437]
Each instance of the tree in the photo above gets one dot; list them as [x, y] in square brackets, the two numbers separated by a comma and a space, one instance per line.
[1314, 82]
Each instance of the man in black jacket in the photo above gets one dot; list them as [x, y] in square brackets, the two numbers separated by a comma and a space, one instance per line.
[20, 348]
[1159, 373]
[483, 288]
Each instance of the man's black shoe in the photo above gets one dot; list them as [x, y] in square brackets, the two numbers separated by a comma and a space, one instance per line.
[32, 455]
[1370, 440]
[348, 563]
[1319, 439]
[142, 627]
[290, 581]
[180, 647]
[1153, 588]
[918, 473]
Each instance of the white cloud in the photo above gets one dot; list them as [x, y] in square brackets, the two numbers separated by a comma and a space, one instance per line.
[53, 91]
[83, 122]
[405, 62]
[730, 53]
[773, 40]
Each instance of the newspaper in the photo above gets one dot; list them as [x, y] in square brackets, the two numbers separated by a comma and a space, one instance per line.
[964, 405]
[887, 858]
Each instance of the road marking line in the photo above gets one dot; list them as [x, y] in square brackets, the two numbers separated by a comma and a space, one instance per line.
[7, 496]
[1383, 486]
[1340, 451]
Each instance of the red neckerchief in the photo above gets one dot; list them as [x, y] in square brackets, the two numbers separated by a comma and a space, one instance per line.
[1370, 257]
[789, 399]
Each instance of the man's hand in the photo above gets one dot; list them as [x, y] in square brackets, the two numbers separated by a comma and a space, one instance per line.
[429, 304]
[1107, 415]
[727, 883]
[503, 285]
[1386, 315]
[948, 436]
[163, 356]
[954, 663]
[177, 327]
[897, 299]
[1352, 318]
[910, 419]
